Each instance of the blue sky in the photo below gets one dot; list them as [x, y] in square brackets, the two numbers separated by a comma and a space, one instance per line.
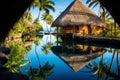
[60, 5]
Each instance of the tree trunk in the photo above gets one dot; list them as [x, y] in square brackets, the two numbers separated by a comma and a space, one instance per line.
[38, 14]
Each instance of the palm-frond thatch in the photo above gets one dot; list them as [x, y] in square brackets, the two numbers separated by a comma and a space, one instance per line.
[78, 14]
[28, 23]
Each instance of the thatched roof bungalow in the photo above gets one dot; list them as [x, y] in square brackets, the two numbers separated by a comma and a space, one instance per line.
[78, 18]
[29, 25]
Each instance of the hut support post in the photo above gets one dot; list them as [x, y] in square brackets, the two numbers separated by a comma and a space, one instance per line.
[73, 32]
[57, 36]
[65, 33]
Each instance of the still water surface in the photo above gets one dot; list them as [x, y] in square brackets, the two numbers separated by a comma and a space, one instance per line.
[71, 61]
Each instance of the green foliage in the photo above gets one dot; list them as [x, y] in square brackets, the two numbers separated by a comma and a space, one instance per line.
[44, 5]
[110, 32]
[48, 18]
[18, 28]
[37, 26]
[92, 3]
[36, 40]
[16, 56]
[59, 39]
[28, 48]
[28, 16]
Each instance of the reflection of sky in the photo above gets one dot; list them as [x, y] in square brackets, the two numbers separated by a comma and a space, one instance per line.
[62, 71]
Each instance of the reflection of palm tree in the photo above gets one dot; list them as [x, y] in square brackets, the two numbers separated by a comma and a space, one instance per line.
[36, 44]
[42, 72]
[46, 48]
[29, 59]
[118, 66]
[102, 70]
[111, 63]
[98, 69]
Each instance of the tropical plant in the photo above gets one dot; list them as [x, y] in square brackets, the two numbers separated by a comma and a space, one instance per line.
[28, 16]
[94, 3]
[44, 5]
[48, 19]
[16, 56]
[37, 26]
[103, 12]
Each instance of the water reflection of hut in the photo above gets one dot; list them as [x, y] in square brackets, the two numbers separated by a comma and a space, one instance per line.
[77, 60]
[79, 19]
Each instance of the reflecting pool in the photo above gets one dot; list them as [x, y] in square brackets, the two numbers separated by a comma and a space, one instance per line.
[49, 58]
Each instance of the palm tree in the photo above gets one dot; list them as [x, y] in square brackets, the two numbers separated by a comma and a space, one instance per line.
[102, 10]
[108, 20]
[28, 16]
[44, 5]
[94, 3]
[48, 18]
[37, 25]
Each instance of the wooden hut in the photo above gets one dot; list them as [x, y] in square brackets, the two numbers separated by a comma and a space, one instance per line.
[29, 25]
[78, 18]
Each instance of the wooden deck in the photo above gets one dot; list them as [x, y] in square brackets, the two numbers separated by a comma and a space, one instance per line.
[94, 40]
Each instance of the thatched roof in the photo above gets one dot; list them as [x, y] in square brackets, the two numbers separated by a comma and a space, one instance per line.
[76, 61]
[78, 14]
[28, 23]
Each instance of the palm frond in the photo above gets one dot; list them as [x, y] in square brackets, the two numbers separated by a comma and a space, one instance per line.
[46, 10]
[95, 4]
[88, 1]
[91, 4]
[51, 2]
